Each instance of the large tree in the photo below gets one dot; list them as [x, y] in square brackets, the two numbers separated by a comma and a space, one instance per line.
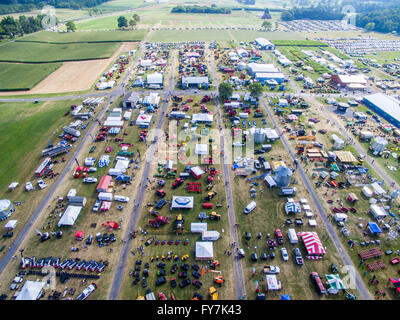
[132, 23]
[256, 89]
[267, 25]
[122, 22]
[225, 90]
[136, 17]
[70, 26]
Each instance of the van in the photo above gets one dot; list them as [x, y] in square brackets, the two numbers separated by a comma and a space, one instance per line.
[292, 236]
[287, 191]
[267, 166]
[250, 207]
[340, 217]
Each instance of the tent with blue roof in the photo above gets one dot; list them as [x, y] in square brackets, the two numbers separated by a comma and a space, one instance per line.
[374, 228]
[285, 297]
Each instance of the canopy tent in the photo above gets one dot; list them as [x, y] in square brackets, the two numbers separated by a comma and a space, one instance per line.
[345, 156]
[113, 225]
[181, 202]
[292, 207]
[31, 290]
[367, 192]
[69, 216]
[11, 224]
[104, 183]
[211, 235]
[378, 190]
[197, 227]
[285, 297]
[13, 185]
[378, 212]
[79, 235]
[105, 206]
[204, 250]
[335, 283]
[201, 149]
[374, 228]
[276, 164]
[313, 245]
[272, 282]
[351, 197]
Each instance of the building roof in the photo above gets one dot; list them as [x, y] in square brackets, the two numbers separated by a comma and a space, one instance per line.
[204, 250]
[194, 80]
[352, 79]
[387, 104]
[182, 202]
[154, 78]
[264, 42]
[270, 75]
[262, 67]
[203, 117]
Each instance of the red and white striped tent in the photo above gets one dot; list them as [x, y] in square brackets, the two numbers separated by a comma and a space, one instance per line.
[105, 206]
[313, 245]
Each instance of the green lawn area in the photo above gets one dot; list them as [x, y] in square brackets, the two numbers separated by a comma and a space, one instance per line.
[381, 57]
[22, 76]
[25, 128]
[98, 36]
[45, 52]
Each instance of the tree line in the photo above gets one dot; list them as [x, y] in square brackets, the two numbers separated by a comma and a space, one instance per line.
[11, 6]
[11, 27]
[319, 12]
[200, 9]
[386, 20]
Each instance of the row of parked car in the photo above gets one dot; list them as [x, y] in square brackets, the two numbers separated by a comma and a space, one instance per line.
[66, 264]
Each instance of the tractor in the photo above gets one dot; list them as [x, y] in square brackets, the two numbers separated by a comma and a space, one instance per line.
[219, 280]
[178, 182]
[210, 196]
[215, 216]
[161, 193]
[179, 224]
[159, 221]
[213, 293]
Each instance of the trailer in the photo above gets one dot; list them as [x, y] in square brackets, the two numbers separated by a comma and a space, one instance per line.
[43, 166]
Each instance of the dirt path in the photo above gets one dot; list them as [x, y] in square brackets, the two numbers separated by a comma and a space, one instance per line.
[75, 75]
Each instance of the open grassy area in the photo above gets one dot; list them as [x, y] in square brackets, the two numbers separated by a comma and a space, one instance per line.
[45, 52]
[22, 76]
[95, 36]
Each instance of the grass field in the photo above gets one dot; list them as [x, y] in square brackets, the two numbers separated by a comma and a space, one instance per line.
[18, 76]
[74, 37]
[45, 52]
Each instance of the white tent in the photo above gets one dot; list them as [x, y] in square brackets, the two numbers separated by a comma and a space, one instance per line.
[272, 282]
[378, 212]
[31, 290]
[11, 224]
[13, 185]
[197, 227]
[122, 165]
[204, 250]
[210, 235]
[201, 149]
[367, 192]
[144, 120]
[69, 216]
[378, 190]
[181, 202]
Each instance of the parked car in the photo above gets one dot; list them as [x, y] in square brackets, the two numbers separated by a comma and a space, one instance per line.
[89, 239]
[89, 180]
[298, 257]
[184, 283]
[257, 164]
[96, 206]
[271, 270]
[160, 281]
[285, 255]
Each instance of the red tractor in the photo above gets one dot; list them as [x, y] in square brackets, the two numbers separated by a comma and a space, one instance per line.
[161, 193]
[178, 182]
[160, 221]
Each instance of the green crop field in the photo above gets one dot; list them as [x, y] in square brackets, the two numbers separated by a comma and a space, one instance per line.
[45, 52]
[25, 128]
[301, 43]
[74, 37]
[23, 76]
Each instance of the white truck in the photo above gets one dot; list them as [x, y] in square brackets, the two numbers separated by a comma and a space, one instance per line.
[121, 198]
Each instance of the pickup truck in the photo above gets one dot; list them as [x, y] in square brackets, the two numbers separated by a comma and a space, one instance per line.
[298, 256]
[271, 269]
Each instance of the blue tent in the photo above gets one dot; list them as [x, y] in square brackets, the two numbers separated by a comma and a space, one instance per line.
[285, 297]
[374, 228]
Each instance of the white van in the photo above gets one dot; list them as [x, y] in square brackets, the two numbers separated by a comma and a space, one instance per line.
[292, 235]
[250, 207]
[121, 198]
[105, 196]
[340, 217]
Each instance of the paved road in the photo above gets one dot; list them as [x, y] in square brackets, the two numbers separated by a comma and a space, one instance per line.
[237, 263]
[119, 274]
[362, 289]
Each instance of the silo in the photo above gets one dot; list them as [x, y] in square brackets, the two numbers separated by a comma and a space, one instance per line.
[282, 176]
[6, 209]
[259, 136]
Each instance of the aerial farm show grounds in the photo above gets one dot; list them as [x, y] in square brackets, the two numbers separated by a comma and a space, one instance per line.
[199, 156]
